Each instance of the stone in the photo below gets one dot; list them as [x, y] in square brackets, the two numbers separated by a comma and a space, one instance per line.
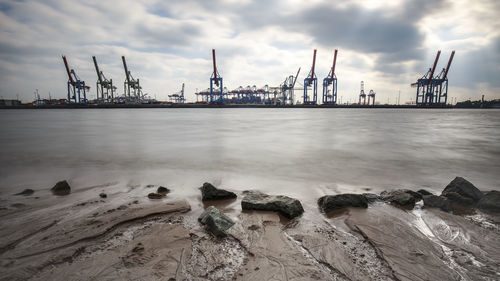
[103, 195]
[154, 195]
[464, 188]
[424, 192]
[216, 221]
[162, 190]
[330, 203]
[401, 197]
[371, 197]
[435, 201]
[61, 188]
[287, 206]
[26, 192]
[458, 199]
[210, 192]
[490, 201]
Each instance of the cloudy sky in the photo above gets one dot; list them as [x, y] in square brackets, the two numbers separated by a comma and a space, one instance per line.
[387, 44]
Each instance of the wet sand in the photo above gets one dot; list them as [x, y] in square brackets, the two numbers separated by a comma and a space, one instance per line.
[127, 236]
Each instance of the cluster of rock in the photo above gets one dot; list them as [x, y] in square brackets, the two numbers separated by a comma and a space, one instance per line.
[159, 194]
[458, 194]
[218, 222]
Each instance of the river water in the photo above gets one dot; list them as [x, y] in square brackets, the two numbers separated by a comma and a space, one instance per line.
[299, 152]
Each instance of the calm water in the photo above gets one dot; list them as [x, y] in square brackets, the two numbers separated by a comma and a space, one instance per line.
[300, 152]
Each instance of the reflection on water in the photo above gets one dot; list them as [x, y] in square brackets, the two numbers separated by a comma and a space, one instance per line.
[307, 152]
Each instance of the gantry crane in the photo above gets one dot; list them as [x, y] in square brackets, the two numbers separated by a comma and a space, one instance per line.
[362, 94]
[75, 85]
[311, 81]
[371, 95]
[131, 87]
[216, 94]
[104, 86]
[433, 90]
[178, 97]
[330, 95]
[287, 88]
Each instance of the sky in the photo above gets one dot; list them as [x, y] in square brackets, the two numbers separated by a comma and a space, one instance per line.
[386, 44]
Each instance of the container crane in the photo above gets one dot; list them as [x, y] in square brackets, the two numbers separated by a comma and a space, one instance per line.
[131, 87]
[441, 87]
[311, 81]
[288, 87]
[178, 97]
[75, 85]
[371, 95]
[218, 95]
[104, 86]
[430, 89]
[330, 95]
[362, 94]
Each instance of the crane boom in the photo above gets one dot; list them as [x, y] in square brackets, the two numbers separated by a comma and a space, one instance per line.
[434, 66]
[215, 68]
[99, 76]
[68, 71]
[334, 61]
[448, 66]
[314, 64]
[127, 74]
[295, 79]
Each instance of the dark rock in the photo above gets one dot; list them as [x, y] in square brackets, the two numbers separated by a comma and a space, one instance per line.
[464, 188]
[216, 221]
[162, 190]
[401, 197]
[458, 199]
[435, 201]
[424, 192]
[26, 192]
[103, 195]
[330, 203]
[289, 207]
[371, 197]
[61, 188]
[210, 192]
[490, 201]
[154, 195]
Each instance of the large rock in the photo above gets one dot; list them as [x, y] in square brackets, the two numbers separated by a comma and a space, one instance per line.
[440, 202]
[216, 221]
[330, 203]
[490, 201]
[289, 207]
[401, 197]
[210, 192]
[162, 190]
[61, 188]
[464, 188]
[459, 199]
[424, 192]
[371, 197]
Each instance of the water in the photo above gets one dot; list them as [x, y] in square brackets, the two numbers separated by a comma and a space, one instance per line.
[299, 152]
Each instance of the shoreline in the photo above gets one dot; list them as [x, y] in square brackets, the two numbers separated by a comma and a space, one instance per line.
[128, 235]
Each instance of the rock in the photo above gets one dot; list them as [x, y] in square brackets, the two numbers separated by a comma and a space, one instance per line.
[162, 190]
[435, 201]
[26, 192]
[464, 188]
[289, 207]
[458, 199]
[103, 195]
[61, 188]
[210, 192]
[401, 197]
[330, 203]
[154, 195]
[490, 201]
[424, 192]
[371, 197]
[216, 221]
